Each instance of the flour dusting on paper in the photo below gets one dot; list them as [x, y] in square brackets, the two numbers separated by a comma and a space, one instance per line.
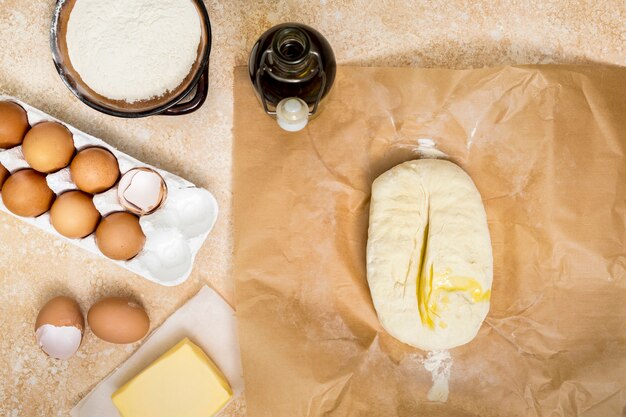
[427, 148]
[439, 364]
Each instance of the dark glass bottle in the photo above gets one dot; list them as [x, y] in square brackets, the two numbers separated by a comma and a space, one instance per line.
[292, 68]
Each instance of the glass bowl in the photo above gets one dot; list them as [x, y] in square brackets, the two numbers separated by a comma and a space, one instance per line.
[176, 102]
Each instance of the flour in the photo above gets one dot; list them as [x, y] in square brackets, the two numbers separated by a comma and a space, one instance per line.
[439, 363]
[427, 148]
[133, 50]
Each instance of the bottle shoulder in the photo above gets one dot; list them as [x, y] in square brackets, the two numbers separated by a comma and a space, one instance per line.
[319, 45]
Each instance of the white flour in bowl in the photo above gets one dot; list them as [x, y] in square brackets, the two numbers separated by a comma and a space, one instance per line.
[133, 50]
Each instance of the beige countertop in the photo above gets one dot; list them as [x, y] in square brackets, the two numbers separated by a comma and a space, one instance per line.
[35, 266]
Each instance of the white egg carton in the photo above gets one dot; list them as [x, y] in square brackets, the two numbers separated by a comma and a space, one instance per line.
[174, 233]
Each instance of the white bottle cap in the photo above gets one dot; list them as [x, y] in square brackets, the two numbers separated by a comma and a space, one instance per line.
[292, 114]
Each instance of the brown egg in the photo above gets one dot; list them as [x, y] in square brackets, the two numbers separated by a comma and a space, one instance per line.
[26, 193]
[119, 236]
[94, 170]
[74, 215]
[4, 174]
[48, 147]
[118, 320]
[13, 124]
[59, 327]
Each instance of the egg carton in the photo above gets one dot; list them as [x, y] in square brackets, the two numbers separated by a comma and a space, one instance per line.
[174, 233]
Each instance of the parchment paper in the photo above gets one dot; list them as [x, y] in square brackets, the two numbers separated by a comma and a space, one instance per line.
[546, 149]
[207, 320]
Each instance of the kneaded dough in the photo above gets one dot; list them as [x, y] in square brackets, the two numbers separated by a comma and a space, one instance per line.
[429, 260]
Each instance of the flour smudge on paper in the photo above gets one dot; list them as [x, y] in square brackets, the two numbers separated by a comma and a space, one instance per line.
[439, 364]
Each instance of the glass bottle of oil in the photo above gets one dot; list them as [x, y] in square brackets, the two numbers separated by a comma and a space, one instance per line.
[292, 68]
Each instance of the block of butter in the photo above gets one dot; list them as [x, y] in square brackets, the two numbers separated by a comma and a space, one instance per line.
[184, 382]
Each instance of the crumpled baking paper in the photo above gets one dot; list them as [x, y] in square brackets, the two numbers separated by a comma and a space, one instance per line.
[207, 320]
[546, 147]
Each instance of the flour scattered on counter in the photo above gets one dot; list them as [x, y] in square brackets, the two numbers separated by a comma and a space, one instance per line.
[496, 34]
[439, 364]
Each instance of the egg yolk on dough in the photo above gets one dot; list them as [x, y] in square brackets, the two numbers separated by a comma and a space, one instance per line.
[431, 287]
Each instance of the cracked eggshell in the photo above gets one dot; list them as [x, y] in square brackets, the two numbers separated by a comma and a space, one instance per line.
[59, 327]
[142, 191]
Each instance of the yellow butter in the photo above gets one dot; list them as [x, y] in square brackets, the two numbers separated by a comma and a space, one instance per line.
[183, 382]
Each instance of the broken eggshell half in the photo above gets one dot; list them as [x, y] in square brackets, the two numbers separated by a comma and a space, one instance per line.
[142, 191]
[59, 327]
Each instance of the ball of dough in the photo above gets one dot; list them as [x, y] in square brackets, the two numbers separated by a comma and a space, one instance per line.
[74, 215]
[94, 170]
[429, 260]
[13, 124]
[48, 147]
[119, 236]
[26, 193]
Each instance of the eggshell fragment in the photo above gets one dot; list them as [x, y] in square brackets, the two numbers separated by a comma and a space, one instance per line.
[118, 320]
[142, 191]
[58, 342]
[59, 327]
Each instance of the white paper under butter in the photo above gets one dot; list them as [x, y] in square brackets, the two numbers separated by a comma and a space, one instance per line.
[429, 260]
[207, 320]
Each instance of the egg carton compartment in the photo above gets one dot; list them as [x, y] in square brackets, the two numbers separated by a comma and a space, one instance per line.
[174, 233]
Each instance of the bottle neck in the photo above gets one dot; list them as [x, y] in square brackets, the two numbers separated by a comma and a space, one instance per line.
[291, 59]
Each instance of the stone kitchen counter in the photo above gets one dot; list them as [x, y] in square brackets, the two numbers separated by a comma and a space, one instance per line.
[35, 266]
